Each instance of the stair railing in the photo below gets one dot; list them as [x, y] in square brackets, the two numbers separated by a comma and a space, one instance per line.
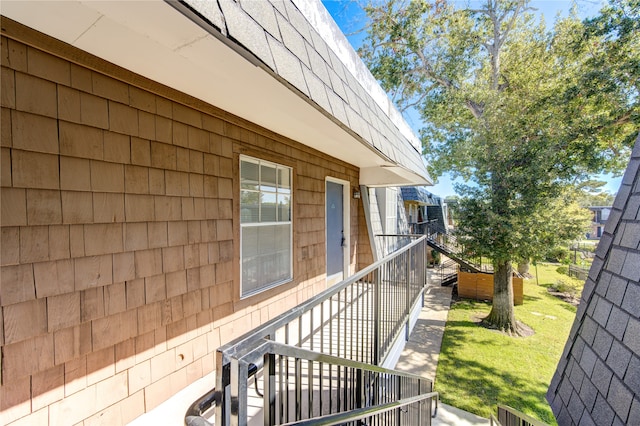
[305, 387]
[450, 245]
[508, 416]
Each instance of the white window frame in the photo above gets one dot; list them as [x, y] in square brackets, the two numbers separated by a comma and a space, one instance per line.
[245, 225]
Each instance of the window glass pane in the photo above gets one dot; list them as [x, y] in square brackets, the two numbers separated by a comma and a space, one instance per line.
[249, 206]
[284, 208]
[267, 177]
[274, 252]
[268, 207]
[284, 180]
[250, 259]
[250, 242]
[266, 246]
[249, 175]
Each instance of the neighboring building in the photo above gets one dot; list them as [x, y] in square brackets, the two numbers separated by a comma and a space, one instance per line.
[173, 175]
[598, 221]
[423, 207]
[597, 381]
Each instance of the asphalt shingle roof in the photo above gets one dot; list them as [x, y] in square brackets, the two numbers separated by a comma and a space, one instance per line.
[279, 35]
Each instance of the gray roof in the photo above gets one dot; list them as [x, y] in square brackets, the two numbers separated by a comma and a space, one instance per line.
[598, 377]
[280, 38]
[421, 195]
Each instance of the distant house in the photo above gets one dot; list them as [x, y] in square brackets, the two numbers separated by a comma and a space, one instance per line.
[598, 221]
[175, 173]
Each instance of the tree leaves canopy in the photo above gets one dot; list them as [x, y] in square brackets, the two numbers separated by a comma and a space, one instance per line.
[517, 110]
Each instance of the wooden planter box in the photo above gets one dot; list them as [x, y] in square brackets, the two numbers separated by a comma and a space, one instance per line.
[480, 287]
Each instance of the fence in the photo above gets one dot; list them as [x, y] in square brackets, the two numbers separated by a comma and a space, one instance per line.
[578, 272]
[320, 358]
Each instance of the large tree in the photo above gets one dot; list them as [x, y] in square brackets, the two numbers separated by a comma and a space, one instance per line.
[504, 105]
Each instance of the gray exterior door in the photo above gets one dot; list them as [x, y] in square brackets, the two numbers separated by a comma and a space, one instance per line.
[335, 232]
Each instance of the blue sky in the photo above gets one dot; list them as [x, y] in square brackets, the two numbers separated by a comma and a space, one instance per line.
[351, 19]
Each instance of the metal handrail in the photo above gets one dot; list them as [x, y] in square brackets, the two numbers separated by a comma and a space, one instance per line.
[271, 326]
[508, 416]
[441, 239]
[391, 243]
[358, 319]
[362, 413]
[274, 348]
[446, 265]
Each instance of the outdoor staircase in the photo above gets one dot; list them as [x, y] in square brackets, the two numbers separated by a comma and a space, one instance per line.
[447, 244]
[448, 272]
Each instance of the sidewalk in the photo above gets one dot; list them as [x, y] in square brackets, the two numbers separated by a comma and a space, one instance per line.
[421, 353]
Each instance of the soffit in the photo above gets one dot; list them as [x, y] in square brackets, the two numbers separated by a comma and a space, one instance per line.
[275, 89]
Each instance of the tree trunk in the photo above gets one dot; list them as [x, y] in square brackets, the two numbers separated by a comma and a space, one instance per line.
[523, 267]
[502, 315]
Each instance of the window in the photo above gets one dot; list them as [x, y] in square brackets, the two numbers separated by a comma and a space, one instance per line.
[265, 225]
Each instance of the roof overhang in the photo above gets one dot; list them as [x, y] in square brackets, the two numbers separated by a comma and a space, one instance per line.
[153, 39]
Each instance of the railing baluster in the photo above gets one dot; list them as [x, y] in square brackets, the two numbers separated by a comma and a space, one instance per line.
[376, 318]
[269, 389]
[407, 309]
[364, 316]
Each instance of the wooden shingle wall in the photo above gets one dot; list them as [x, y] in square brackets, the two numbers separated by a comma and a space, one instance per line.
[120, 233]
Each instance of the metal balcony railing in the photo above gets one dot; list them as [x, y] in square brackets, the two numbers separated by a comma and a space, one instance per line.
[508, 416]
[391, 243]
[319, 362]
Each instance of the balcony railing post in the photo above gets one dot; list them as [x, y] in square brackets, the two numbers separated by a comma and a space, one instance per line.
[407, 310]
[377, 301]
[223, 404]
[238, 391]
[269, 393]
[398, 396]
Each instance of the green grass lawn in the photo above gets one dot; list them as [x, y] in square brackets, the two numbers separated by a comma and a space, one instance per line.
[479, 368]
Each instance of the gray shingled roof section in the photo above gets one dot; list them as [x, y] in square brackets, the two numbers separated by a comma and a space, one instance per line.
[598, 377]
[280, 36]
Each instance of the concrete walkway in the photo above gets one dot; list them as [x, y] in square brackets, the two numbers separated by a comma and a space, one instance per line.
[421, 353]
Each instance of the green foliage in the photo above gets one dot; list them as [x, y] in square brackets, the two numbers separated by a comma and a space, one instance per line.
[558, 254]
[563, 270]
[611, 80]
[435, 255]
[571, 286]
[517, 110]
[590, 193]
[479, 368]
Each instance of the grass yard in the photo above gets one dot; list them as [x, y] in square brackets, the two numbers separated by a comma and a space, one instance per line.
[479, 368]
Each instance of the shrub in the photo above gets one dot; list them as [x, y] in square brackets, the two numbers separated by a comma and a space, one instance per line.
[435, 255]
[559, 254]
[569, 286]
[563, 270]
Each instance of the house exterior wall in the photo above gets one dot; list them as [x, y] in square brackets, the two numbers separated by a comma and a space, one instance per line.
[597, 381]
[120, 236]
[598, 222]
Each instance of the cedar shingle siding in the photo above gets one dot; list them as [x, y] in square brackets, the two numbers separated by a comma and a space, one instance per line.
[120, 268]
